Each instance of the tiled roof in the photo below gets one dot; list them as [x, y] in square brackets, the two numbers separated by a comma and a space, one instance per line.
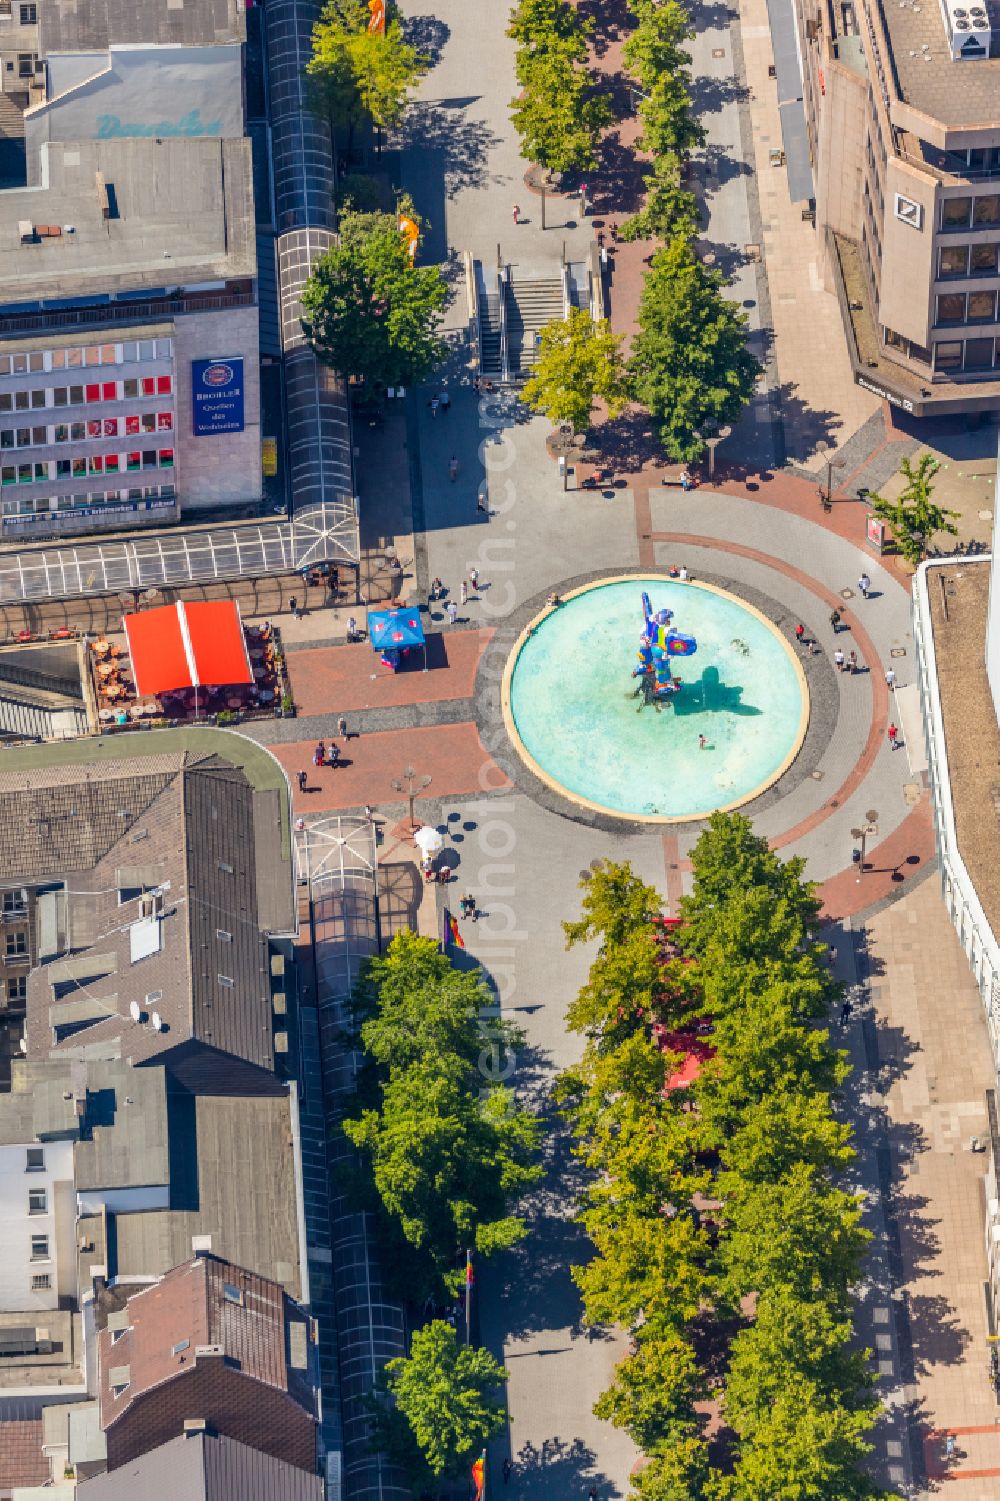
[206, 1302]
[21, 1459]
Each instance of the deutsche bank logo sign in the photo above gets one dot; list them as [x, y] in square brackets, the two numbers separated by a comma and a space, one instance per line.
[217, 394]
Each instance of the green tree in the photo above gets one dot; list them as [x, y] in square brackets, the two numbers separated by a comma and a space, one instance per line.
[669, 208]
[690, 365]
[353, 71]
[368, 312]
[446, 1405]
[653, 1393]
[557, 114]
[448, 1157]
[579, 363]
[914, 517]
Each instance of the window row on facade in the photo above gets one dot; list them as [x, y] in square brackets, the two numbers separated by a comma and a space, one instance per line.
[97, 463]
[968, 260]
[36, 506]
[979, 211]
[37, 398]
[42, 436]
[30, 361]
[967, 354]
[967, 307]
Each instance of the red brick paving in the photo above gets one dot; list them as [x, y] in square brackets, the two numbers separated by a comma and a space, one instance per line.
[887, 866]
[338, 679]
[452, 754]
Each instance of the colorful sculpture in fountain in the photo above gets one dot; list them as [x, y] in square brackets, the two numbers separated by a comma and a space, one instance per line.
[657, 644]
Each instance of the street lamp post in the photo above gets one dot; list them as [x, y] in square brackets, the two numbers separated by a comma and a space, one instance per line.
[412, 785]
[826, 491]
[712, 441]
[867, 830]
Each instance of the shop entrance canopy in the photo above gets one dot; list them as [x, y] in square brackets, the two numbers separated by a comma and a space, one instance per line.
[187, 646]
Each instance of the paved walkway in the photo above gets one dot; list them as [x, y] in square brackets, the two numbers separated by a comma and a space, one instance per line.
[760, 530]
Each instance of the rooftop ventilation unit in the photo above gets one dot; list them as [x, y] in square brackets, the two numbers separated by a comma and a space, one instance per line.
[157, 1021]
[969, 30]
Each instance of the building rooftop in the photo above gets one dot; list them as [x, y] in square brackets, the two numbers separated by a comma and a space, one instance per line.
[211, 1306]
[958, 602]
[233, 1180]
[204, 1467]
[120, 1132]
[141, 981]
[22, 1462]
[42, 1352]
[956, 93]
[178, 211]
[93, 25]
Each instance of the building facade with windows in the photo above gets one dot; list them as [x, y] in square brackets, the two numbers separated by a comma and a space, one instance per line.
[37, 1224]
[902, 116]
[129, 350]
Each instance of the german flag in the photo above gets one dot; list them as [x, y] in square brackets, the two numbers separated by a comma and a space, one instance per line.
[452, 933]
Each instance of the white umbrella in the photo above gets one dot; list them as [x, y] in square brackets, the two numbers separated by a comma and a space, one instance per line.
[428, 841]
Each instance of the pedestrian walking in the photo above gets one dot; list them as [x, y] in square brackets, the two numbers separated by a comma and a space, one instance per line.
[474, 578]
[583, 199]
[352, 628]
[434, 403]
[506, 1468]
[893, 733]
[800, 633]
[453, 469]
[890, 679]
[302, 781]
[342, 728]
[333, 755]
[864, 585]
[702, 743]
[369, 812]
[838, 658]
[293, 605]
[517, 213]
[437, 589]
[682, 573]
[835, 621]
[319, 754]
[463, 593]
[452, 612]
[481, 504]
[845, 1013]
[852, 663]
[445, 401]
[685, 480]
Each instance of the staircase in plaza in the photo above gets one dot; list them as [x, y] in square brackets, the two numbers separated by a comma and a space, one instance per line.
[531, 302]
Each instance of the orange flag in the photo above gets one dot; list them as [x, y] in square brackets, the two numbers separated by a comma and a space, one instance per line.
[479, 1477]
[377, 22]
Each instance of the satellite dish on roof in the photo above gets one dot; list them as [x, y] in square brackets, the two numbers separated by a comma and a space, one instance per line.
[135, 1011]
[157, 1021]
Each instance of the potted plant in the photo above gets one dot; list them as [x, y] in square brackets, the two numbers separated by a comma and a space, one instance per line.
[288, 706]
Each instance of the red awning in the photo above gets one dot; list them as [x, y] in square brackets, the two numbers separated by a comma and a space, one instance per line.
[187, 646]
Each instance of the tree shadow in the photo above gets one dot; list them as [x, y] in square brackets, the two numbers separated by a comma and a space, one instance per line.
[437, 129]
[557, 1468]
[428, 34]
[612, 23]
[710, 95]
[618, 185]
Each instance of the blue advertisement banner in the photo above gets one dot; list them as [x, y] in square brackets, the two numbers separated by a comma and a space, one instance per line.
[217, 396]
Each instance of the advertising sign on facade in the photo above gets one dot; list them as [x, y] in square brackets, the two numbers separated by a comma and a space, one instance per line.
[876, 534]
[269, 457]
[217, 396]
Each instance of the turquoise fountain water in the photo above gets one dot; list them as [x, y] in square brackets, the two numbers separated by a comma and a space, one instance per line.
[577, 713]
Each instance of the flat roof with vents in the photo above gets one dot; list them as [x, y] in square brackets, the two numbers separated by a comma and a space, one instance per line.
[185, 215]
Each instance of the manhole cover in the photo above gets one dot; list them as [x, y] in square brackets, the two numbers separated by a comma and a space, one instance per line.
[847, 593]
[752, 252]
[897, 651]
[986, 515]
[718, 51]
[817, 776]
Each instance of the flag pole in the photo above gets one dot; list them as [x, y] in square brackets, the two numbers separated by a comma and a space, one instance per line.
[468, 1296]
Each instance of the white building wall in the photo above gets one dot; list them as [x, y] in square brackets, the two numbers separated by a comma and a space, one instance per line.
[993, 619]
[224, 468]
[17, 1227]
